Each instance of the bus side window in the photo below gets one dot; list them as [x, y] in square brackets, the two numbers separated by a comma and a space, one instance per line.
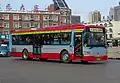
[55, 38]
[22, 40]
[65, 38]
[34, 39]
[43, 39]
[17, 40]
[13, 40]
[51, 39]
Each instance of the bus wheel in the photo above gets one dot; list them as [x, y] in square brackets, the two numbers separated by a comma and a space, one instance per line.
[25, 55]
[65, 57]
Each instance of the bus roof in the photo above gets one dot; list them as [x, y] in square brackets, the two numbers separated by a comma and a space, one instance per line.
[57, 27]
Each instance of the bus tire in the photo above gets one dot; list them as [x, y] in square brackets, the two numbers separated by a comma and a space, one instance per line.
[25, 55]
[65, 58]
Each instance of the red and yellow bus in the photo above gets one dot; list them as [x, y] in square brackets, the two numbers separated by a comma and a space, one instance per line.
[64, 42]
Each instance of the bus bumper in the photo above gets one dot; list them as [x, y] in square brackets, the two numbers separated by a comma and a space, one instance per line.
[93, 58]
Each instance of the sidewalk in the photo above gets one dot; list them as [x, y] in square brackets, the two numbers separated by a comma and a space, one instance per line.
[114, 52]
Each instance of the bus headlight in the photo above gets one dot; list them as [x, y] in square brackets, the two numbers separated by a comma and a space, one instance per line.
[87, 53]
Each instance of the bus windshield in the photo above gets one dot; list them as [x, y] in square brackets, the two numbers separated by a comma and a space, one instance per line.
[94, 38]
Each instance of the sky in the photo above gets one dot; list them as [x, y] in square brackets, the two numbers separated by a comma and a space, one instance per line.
[79, 7]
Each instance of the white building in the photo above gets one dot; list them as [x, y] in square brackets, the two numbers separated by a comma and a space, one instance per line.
[114, 13]
[94, 16]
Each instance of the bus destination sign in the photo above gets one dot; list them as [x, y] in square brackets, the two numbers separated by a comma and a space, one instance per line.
[96, 30]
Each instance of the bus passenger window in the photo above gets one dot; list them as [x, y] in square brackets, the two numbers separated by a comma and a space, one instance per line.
[65, 38]
[43, 40]
[55, 38]
[13, 40]
[48, 39]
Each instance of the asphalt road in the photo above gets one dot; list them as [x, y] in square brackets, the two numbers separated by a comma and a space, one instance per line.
[15, 70]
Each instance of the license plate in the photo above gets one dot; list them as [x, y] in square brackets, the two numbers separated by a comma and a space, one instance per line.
[98, 59]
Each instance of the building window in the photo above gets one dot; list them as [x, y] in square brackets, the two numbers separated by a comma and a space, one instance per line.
[110, 30]
[55, 18]
[15, 17]
[50, 17]
[6, 16]
[26, 25]
[110, 35]
[106, 30]
[55, 24]
[45, 24]
[118, 33]
[45, 17]
[36, 17]
[6, 24]
[105, 24]
[16, 25]
[107, 36]
[110, 24]
[64, 13]
[36, 25]
[26, 17]
[101, 24]
[6, 32]
[64, 20]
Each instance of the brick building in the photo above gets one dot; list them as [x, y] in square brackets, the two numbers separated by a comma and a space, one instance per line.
[28, 19]
[54, 15]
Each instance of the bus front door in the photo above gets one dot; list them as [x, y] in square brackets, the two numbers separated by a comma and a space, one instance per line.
[78, 45]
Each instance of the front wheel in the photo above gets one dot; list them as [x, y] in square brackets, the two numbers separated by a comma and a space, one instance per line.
[65, 58]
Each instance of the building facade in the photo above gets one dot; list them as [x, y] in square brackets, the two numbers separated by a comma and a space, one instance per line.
[55, 14]
[75, 19]
[94, 16]
[114, 13]
[28, 19]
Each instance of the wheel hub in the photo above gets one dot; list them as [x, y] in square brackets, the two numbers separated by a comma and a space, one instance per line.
[65, 57]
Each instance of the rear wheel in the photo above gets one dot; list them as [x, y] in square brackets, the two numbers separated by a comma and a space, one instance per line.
[65, 58]
[25, 55]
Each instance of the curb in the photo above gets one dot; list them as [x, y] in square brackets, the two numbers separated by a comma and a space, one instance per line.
[114, 58]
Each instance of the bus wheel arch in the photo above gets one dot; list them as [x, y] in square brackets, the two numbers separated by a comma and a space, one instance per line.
[25, 54]
[64, 56]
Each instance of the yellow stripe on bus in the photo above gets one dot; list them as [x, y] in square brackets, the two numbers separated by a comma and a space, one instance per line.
[78, 30]
[66, 30]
